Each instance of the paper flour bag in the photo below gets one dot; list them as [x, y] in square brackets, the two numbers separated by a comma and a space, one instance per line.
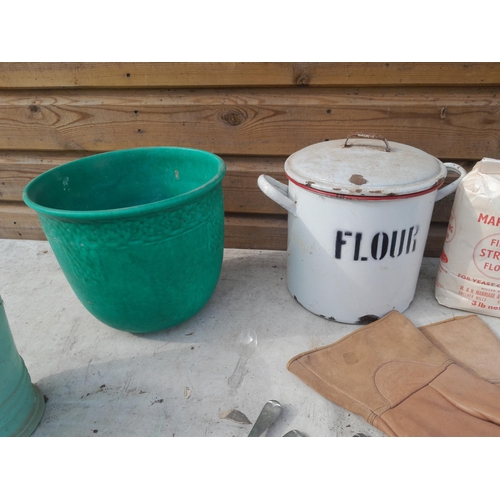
[469, 272]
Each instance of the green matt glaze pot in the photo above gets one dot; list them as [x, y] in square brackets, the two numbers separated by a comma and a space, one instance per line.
[138, 233]
[21, 403]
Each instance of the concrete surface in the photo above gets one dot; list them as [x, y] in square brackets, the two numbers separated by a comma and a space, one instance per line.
[102, 382]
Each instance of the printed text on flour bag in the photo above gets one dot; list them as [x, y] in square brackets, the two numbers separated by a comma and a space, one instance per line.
[358, 247]
[484, 293]
[486, 254]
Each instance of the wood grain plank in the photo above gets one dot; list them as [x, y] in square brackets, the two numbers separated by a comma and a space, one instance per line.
[37, 75]
[460, 123]
[241, 193]
[17, 221]
[254, 232]
[241, 231]
[17, 168]
[270, 233]
[435, 239]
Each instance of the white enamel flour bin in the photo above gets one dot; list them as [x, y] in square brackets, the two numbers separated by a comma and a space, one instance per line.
[359, 212]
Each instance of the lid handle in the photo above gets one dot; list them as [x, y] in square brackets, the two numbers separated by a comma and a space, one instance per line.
[367, 136]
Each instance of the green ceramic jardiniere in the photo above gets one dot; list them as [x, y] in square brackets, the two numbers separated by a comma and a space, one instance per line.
[138, 233]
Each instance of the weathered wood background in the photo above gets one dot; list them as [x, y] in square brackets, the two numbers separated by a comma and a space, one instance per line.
[251, 114]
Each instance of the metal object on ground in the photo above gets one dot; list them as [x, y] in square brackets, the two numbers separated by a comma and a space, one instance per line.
[293, 433]
[270, 412]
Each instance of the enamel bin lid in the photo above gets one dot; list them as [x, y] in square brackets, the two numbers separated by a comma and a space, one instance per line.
[365, 165]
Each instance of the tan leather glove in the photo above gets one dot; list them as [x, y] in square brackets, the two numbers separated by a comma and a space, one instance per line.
[397, 380]
[470, 343]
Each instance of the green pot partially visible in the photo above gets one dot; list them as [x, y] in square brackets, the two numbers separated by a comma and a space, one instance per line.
[21, 403]
[138, 233]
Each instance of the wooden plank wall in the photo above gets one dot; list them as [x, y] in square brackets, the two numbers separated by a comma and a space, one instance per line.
[252, 114]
